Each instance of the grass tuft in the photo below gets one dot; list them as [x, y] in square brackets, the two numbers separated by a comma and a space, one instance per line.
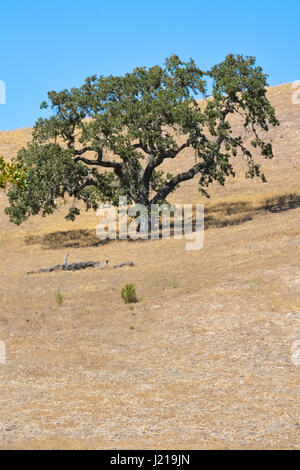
[59, 298]
[128, 294]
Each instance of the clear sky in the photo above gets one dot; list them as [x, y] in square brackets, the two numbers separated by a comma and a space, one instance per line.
[55, 44]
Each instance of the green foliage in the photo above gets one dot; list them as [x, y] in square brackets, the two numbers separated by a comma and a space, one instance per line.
[128, 294]
[59, 298]
[108, 137]
[11, 173]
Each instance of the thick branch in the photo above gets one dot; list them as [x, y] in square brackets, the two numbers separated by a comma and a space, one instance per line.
[87, 161]
[83, 150]
[155, 162]
[188, 175]
[170, 185]
[99, 162]
[139, 145]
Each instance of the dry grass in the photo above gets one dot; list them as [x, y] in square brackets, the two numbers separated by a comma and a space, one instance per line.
[201, 361]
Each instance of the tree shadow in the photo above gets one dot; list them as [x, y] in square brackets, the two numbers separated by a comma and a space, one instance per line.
[283, 202]
[226, 214]
[223, 214]
[79, 238]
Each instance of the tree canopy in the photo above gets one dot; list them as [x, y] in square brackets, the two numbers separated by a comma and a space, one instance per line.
[109, 137]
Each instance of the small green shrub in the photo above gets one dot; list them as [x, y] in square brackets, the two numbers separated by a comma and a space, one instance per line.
[128, 294]
[59, 298]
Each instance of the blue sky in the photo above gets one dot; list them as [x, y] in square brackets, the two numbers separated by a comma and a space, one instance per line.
[52, 45]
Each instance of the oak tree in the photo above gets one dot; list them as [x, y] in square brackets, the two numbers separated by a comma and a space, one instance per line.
[109, 137]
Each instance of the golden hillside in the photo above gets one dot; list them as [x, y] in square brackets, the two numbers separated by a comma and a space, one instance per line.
[203, 360]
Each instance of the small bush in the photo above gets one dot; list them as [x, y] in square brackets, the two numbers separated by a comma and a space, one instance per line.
[128, 294]
[59, 298]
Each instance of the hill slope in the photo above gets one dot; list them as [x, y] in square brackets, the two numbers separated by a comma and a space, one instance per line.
[203, 360]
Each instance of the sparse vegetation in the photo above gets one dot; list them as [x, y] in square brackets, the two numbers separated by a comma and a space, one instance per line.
[254, 283]
[128, 294]
[78, 315]
[213, 322]
[173, 283]
[59, 298]
[161, 281]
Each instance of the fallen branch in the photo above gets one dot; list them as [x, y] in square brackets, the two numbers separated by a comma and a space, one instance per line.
[68, 267]
[76, 266]
[128, 263]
